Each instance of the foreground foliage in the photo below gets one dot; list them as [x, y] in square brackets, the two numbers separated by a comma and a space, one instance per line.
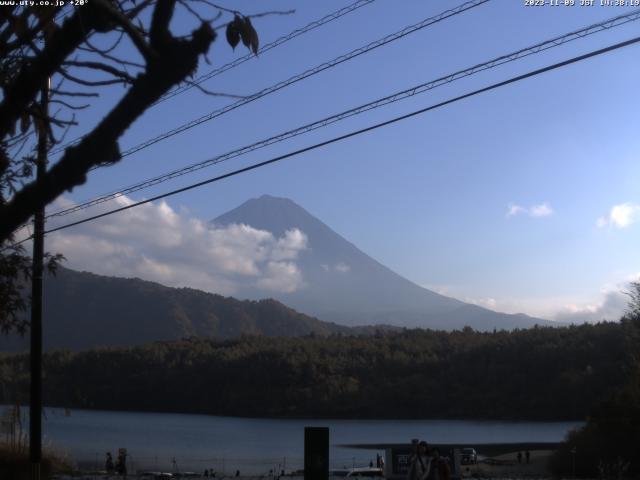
[55, 58]
[15, 464]
[608, 446]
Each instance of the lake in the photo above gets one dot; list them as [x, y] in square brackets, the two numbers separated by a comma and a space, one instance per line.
[254, 446]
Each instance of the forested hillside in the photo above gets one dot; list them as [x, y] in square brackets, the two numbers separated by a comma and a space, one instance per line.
[540, 373]
[83, 310]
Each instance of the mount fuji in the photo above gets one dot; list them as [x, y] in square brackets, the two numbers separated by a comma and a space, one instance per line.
[342, 284]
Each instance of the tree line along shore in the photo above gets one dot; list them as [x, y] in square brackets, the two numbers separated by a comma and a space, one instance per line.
[534, 374]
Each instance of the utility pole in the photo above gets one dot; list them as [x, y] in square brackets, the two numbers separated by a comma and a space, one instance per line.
[35, 401]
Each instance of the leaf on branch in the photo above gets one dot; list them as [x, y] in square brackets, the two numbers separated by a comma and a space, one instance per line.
[242, 29]
[249, 35]
[255, 41]
[233, 32]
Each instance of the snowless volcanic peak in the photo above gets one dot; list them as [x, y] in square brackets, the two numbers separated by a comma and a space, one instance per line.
[344, 285]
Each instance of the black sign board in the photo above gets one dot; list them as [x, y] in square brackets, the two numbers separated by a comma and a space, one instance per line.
[316, 453]
[400, 458]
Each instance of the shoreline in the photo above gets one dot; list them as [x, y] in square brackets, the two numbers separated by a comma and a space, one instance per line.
[310, 418]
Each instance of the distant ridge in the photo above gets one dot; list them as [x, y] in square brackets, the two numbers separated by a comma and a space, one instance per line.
[346, 286]
[84, 310]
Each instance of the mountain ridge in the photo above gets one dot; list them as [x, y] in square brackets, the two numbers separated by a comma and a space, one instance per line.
[86, 310]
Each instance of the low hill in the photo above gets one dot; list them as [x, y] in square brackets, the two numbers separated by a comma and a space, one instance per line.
[83, 310]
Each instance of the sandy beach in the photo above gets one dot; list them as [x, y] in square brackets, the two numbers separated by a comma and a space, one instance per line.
[507, 466]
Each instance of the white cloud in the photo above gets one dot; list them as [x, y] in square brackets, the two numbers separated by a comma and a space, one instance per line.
[609, 303]
[515, 210]
[540, 210]
[634, 277]
[620, 216]
[490, 303]
[339, 267]
[156, 243]
[532, 307]
[342, 267]
[282, 277]
[611, 306]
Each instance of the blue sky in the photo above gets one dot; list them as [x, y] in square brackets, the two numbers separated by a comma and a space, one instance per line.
[431, 196]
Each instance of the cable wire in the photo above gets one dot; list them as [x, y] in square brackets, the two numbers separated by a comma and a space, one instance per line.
[357, 132]
[304, 75]
[276, 43]
[424, 87]
[234, 63]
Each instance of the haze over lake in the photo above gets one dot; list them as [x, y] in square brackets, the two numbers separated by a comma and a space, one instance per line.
[197, 442]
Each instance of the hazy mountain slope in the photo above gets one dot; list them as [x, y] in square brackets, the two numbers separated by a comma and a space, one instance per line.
[346, 286]
[83, 310]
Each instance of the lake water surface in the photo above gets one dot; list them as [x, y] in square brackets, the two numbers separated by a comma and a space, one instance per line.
[196, 442]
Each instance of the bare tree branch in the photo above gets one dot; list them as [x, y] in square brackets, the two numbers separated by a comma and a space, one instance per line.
[69, 106]
[90, 83]
[132, 31]
[176, 60]
[24, 87]
[159, 34]
[74, 94]
[106, 51]
[221, 8]
[185, 4]
[101, 66]
[136, 10]
[214, 94]
[271, 13]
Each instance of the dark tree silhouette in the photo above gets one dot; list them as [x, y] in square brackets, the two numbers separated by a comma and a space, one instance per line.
[39, 43]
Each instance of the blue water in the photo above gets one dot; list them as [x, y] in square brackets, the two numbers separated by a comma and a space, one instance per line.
[196, 442]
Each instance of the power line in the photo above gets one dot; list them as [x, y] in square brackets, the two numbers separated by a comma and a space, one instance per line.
[424, 87]
[306, 74]
[309, 73]
[358, 132]
[276, 43]
[228, 66]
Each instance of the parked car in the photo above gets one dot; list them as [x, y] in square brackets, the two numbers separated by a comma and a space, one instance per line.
[469, 455]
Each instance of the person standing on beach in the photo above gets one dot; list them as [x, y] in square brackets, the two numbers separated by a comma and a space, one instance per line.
[440, 467]
[519, 457]
[108, 466]
[527, 455]
[420, 463]
[121, 463]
